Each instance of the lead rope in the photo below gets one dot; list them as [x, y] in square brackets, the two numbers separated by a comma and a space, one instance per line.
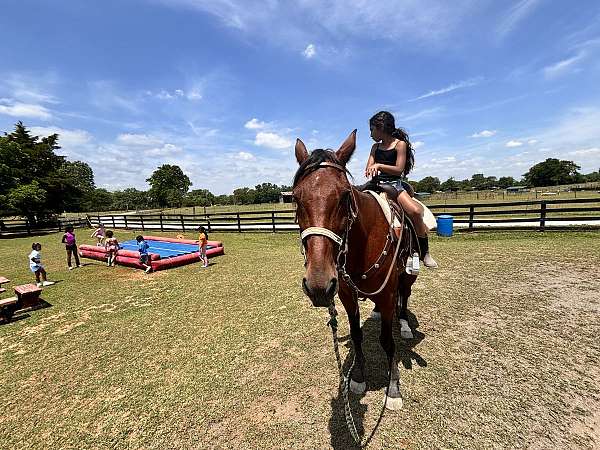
[345, 383]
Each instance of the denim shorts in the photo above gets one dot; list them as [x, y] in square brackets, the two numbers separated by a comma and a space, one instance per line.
[398, 184]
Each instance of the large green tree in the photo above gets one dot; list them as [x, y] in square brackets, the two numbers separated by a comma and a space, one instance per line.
[552, 172]
[168, 185]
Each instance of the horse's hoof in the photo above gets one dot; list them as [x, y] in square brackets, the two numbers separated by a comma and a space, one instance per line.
[357, 388]
[393, 404]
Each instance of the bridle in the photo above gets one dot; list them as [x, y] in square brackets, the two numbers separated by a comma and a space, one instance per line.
[342, 241]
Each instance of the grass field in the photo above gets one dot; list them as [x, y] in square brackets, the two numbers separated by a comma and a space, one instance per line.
[506, 353]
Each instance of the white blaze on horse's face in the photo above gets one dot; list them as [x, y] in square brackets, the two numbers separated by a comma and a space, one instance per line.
[322, 199]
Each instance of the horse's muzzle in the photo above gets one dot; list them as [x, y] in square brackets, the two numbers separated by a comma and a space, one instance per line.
[320, 297]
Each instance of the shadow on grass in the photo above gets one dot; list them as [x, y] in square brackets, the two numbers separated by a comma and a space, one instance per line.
[23, 313]
[376, 368]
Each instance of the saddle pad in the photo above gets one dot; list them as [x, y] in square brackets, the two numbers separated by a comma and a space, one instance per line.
[381, 198]
[385, 207]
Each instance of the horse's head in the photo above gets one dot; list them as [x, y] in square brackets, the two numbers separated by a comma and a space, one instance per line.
[324, 201]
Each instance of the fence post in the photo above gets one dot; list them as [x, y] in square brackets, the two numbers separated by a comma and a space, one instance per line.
[208, 221]
[98, 219]
[182, 223]
[239, 223]
[113, 221]
[28, 227]
[59, 225]
[142, 221]
[125, 218]
[543, 216]
[471, 214]
[273, 220]
[161, 223]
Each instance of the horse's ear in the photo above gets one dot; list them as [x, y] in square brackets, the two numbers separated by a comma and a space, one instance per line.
[347, 148]
[301, 152]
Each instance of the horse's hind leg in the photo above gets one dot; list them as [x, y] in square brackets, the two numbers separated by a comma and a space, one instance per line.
[357, 376]
[394, 398]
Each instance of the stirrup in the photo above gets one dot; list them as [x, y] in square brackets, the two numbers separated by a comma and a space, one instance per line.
[413, 265]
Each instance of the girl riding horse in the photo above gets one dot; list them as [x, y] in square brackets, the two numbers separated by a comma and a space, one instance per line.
[391, 159]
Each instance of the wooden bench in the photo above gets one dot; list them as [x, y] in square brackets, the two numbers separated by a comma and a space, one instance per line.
[2, 281]
[8, 306]
[27, 295]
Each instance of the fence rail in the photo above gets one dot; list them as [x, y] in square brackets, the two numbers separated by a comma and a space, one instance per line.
[17, 227]
[531, 214]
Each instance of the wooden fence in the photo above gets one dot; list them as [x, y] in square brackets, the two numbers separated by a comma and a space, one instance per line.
[19, 227]
[523, 214]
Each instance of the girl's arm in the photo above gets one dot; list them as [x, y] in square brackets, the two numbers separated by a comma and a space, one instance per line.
[370, 162]
[63, 239]
[398, 168]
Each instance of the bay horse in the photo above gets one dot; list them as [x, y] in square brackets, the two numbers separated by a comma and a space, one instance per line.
[351, 249]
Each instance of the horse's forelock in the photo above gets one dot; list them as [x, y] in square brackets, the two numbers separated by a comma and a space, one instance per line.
[316, 157]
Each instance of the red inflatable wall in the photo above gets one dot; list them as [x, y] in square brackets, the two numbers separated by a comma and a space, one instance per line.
[182, 260]
[182, 241]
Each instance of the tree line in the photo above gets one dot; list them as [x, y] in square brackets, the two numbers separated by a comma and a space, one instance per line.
[36, 182]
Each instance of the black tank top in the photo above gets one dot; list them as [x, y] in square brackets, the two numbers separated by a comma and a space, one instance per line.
[387, 157]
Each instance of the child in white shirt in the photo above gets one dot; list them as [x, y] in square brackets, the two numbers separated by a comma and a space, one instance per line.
[35, 264]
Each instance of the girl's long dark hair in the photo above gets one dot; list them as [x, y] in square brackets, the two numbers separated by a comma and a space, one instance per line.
[385, 122]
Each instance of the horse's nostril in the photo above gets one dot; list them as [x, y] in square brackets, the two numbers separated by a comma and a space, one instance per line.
[305, 287]
[331, 287]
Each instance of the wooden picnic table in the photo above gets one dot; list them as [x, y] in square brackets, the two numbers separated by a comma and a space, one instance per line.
[2, 281]
[27, 295]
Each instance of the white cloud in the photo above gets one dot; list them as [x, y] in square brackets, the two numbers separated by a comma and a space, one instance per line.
[271, 140]
[194, 94]
[423, 114]
[144, 140]
[452, 87]
[484, 133]
[66, 138]
[165, 150]
[425, 21]
[563, 67]
[514, 144]
[532, 141]
[417, 144]
[255, 124]
[515, 15]
[20, 110]
[244, 156]
[309, 51]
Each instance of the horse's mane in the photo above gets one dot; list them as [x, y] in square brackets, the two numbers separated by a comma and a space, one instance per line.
[311, 164]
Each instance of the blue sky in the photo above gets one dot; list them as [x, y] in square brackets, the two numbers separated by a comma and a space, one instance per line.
[223, 87]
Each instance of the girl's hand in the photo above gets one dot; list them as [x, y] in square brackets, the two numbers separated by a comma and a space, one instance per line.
[372, 170]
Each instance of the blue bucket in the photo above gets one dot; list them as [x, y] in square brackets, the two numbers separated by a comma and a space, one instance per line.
[445, 224]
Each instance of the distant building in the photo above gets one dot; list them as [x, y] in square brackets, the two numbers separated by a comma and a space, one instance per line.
[286, 197]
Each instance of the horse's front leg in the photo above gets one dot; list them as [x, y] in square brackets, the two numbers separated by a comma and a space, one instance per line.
[386, 338]
[357, 376]
[404, 291]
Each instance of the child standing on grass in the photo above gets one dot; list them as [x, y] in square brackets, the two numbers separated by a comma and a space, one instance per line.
[144, 256]
[202, 243]
[71, 246]
[35, 264]
[99, 234]
[112, 247]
